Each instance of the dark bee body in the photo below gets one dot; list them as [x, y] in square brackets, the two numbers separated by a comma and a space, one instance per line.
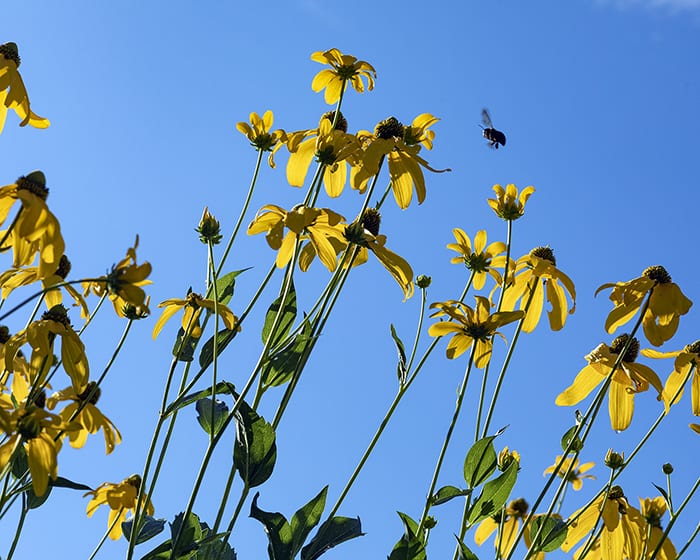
[495, 137]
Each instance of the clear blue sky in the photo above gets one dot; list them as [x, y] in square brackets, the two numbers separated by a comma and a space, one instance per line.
[599, 100]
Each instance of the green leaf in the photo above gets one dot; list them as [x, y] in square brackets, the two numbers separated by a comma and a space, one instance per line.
[225, 285]
[222, 388]
[331, 533]
[205, 412]
[552, 534]
[223, 338]
[446, 493]
[215, 550]
[283, 363]
[480, 462]
[184, 347]
[463, 552]
[190, 531]
[149, 529]
[255, 450]
[279, 533]
[494, 495]
[567, 445]
[288, 313]
[306, 518]
[61, 482]
[34, 501]
[20, 464]
[409, 546]
[401, 370]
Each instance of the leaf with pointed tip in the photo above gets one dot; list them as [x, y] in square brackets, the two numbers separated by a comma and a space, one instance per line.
[665, 495]
[446, 493]
[463, 552]
[283, 363]
[205, 413]
[222, 388]
[306, 518]
[569, 443]
[279, 532]
[184, 347]
[480, 462]
[190, 531]
[494, 494]
[226, 283]
[149, 529]
[287, 312]
[331, 533]
[223, 338]
[255, 450]
[401, 370]
[552, 533]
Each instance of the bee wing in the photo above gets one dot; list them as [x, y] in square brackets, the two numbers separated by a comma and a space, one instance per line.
[486, 119]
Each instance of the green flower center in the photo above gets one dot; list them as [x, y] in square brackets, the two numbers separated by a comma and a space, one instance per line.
[35, 183]
[371, 219]
[28, 425]
[658, 274]
[326, 156]
[346, 72]
[264, 142]
[477, 262]
[632, 351]
[478, 331]
[389, 128]
[64, 267]
[545, 253]
[91, 393]
[58, 314]
[340, 124]
[10, 52]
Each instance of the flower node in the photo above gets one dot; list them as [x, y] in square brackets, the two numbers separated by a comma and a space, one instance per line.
[389, 128]
[371, 219]
[614, 460]
[667, 468]
[545, 253]
[616, 493]
[423, 281]
[10, 52]
[477, 262]
[518, 508]
[91, 393]
[658, 274]
[133, 313]
[478, 331]
[430, 522]
[340, 124]
[29, 426]
[694, 347]
[619, 343]
[355, 234]
[209, 229]
[326, 156]
[4, 334]
[59, 314]
[64, 267]
[35, 183]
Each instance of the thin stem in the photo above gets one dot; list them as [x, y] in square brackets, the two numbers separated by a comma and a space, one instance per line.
[674, 518]
[104, 537]
[20, 524]
[215, 354]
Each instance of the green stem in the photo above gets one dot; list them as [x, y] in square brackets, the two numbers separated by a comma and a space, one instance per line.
[104, 537]
[20, 524]
[215, 349]
[674, 518]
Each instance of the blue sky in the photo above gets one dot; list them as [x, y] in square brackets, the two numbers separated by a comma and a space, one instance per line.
[599, 100]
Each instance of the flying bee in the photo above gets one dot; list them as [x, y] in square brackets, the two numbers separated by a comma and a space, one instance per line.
[495, 137]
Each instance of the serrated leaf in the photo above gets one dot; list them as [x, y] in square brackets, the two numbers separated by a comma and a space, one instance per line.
[149, 529]
[401, 364]
[288, 314]
[255, 450]
[283, 363]
[279, 532]
[446, 493]
[463, 552]
[190, 531]
[205, 413]
[552, 533]
[566, 441]
[184, 346]
[223, 338]
[494, 494]
[480, 462]
[331, 533]
[226, 283]
[222, 388]
[306, 518]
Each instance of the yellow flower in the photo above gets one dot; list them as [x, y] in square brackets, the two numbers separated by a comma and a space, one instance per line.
[41, 335]
[652, 510]
[321, 227]
[365, 234]
[123, 284]
[192, 306]
[35, 229]
[508, 205]
[13, 94]
[121, 499]
[332, 147]
[536, 273]
[470, 326]
[83, 412]
[400, 145]
[478, 260]
[687, 361]
[666, 304]
[629, 379]
[575, 476]
[16, 277]
[620, 537]
[344, 68]
[258, 132]
[506, 530]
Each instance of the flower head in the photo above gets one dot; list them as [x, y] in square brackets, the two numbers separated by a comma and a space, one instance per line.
[123, 284]
[506, 526]
[628, 379]
[121, 499]
[470, 326]
[508, 205]
[400, 145]
[685, 368]
[13, 94]
[365, 234]
[322, 229]
[344, 68]
[479, 259]
[536, 278]
[209, 229]
[260, 135]
[666, 304]
[192, 306]
[571, 471]
[83, 411]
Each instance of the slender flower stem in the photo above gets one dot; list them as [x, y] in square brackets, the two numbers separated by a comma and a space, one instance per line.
[689, 541]
[104, 537]
[20, 524]
[215, 354]
[674, 518]
[224, 500]
[446, 441]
